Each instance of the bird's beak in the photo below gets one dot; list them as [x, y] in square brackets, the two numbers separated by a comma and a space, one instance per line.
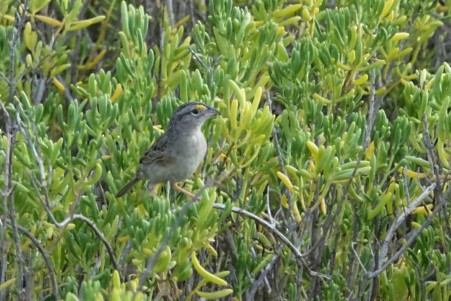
[212, 111]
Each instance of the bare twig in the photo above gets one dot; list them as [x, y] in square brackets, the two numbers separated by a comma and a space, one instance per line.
[370, 123]
[374, 107]
[437, 168]
[170, 13]
[191, 11]
[268, 208]
[181, 215]
[432, 158]
[46, 257]
[96, 230]
[6, 195]
[357, 256]
[10, 208]
[275, 138]
[267, 226]
[280, 236]
[251, 294]
[414, 234]
[42, 184]
[84, 219]
[125, 252]
[164, 242]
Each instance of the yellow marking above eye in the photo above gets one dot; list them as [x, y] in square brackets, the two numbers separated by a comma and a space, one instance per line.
[201, 107]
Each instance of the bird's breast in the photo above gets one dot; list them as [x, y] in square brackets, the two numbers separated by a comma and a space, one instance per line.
[190, 152]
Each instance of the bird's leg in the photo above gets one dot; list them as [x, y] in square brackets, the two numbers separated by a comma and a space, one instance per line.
[184, 191]
[152, 190]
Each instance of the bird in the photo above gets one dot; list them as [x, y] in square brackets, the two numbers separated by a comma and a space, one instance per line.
[176, 154]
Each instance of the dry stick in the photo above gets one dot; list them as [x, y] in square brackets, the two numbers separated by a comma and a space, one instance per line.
[11, 138]
[198, 59]
[19, 23]
[281, 166]
[84, 219]
[170, 13]
[268, 207]
[401, 218]
[164, 242]
[276, 232]
[46, 257]
[181, 215]
[293, 224]
[125, 251]
[5, 195]
[191, 12]
[413, 236]
[262, 278]
[267, 269]
[436, 167]
[273, 229]
[371, 118]
[46, 204]
[432, 158]
[160, 11]
[437, 186]
[93, 226]
[251, 294]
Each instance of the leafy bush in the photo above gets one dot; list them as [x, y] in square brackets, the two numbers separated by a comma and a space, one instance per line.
[327, 176]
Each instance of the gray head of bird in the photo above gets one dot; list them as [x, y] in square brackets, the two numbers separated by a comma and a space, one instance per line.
[191, 116]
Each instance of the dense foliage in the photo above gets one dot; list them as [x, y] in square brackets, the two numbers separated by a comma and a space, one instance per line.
[328, 172]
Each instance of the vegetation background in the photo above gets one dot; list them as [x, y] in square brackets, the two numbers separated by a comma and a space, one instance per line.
[328, 174]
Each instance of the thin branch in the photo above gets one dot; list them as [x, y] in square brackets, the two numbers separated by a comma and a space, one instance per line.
[46, 204]
[268, 208]
[7, 190]
[46, 257]
[414, 234]
[369, 125]
[83, 218]
[170, 13]
[128, 247]
[401, 218]
[358, 257]
[181, 216]
[11, 209]
[96, 230]
[3, 76]
[273, 230]
[437, 168]
[251, 294]
[432, 158]
[275, 139]
[164, 242]
[8, 197]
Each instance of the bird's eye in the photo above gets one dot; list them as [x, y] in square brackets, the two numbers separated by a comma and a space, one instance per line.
[195, 112]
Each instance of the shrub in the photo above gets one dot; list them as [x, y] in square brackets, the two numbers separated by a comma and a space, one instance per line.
[327, 176]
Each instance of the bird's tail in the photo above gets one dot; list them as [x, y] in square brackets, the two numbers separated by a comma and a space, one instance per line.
[127, 186]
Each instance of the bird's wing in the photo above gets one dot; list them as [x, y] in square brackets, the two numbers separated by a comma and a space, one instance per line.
[157, 153]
